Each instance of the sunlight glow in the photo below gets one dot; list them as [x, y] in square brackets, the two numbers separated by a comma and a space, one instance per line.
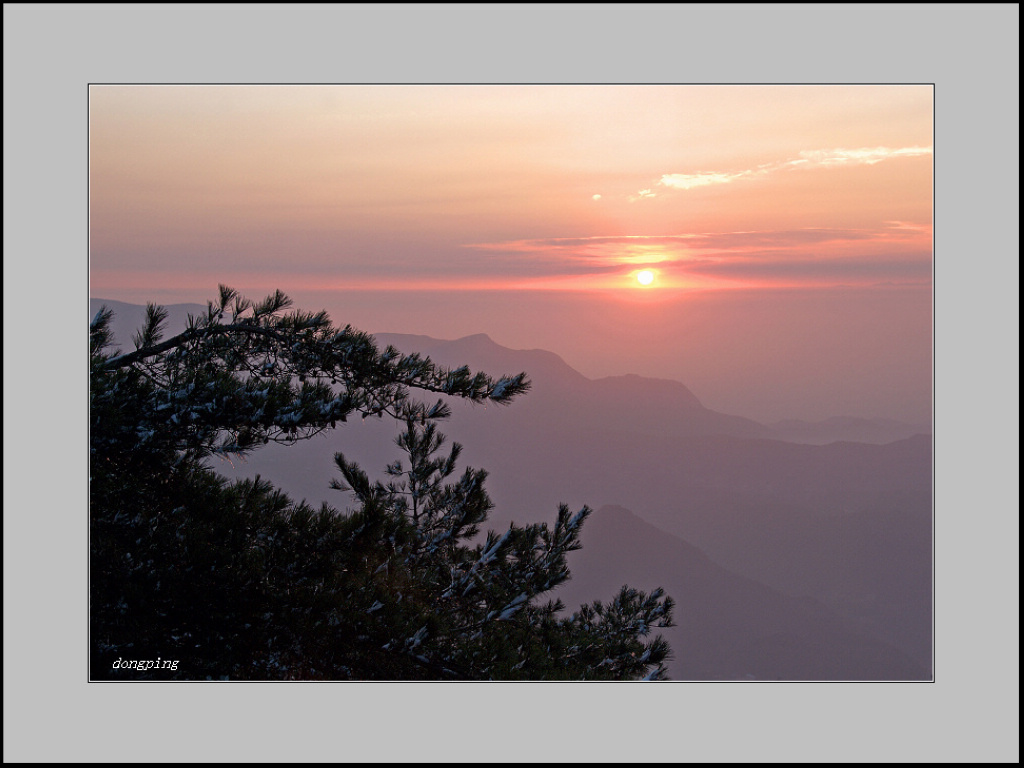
[645, 277]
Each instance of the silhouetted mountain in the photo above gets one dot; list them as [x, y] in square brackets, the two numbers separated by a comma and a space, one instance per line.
[630, 403]
[846, 429]
[845, 524]
[129, 318]
[848, 524]
[728, 627]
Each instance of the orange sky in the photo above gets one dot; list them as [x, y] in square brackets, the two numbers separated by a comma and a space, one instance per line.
[329, 191]
[477, 186]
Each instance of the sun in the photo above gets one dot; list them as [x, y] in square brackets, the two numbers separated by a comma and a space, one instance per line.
[645, 277]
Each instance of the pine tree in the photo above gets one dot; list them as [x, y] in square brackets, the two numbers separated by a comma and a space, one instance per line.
[236, 581]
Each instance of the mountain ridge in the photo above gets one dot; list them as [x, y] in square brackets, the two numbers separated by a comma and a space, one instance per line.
[727, 626]
[845, 524]
[840, 428]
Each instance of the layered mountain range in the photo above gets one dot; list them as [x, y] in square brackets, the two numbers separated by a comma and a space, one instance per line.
[790, 555]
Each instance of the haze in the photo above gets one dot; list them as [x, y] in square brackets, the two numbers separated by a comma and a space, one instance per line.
[788, 228]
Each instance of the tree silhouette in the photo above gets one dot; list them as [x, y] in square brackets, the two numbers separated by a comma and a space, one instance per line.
[234, 580]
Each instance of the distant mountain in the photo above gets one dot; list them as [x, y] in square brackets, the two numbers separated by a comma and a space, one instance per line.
[129, 318]
[847, 524]
[728, 627]
[656, 406]
[846, 429]
[630, 403]
[844, 524]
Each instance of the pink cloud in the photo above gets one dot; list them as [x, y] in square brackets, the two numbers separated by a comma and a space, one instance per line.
[893, 251]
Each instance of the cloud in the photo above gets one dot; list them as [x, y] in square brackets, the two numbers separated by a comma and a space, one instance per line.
[805, 160]
[701, 179]
[864, 156]
[915, 267]
[898, 251]
[733, 242]
[642, 194]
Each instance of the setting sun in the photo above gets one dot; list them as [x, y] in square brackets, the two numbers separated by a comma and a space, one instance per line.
[645, 277]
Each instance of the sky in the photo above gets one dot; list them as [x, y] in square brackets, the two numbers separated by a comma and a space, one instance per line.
[785, 231]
